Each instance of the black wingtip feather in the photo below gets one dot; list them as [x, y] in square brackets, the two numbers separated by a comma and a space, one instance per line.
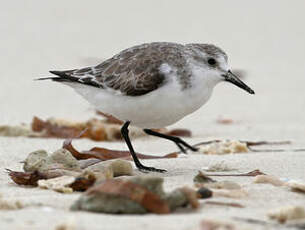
[59, 73]
[62, 77]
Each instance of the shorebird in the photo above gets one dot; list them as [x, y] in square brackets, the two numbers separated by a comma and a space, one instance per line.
[152, 86]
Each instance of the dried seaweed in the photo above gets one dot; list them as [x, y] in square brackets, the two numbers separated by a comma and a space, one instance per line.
[108, 129]
[108, 154]
[255, 172]
[67, 129]
[26, 178]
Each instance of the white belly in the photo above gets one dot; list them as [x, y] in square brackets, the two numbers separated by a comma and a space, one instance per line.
[157, 109]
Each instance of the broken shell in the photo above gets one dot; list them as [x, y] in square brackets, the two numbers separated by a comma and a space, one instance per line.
[224, 147]
[59, 184]
[266, 179]
[287, 213]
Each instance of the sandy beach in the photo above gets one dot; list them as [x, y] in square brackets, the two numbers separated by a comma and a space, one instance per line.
[263, 39]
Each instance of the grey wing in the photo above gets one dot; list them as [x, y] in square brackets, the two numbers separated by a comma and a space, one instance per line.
[132, 72]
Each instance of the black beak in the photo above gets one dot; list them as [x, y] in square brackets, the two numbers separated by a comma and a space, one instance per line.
[230, 77]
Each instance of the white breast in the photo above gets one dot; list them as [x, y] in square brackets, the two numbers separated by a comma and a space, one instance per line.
[157, 109]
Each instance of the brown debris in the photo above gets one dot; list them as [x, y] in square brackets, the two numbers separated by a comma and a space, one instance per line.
[66, 129]
[132, 191]
[108, 129]
[83, 182]
[94, 129]
[108, 154]
[40, 166]
[142, 194]
[26, 178]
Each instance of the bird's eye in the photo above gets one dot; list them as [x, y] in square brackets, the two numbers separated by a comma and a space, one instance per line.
[211, 61]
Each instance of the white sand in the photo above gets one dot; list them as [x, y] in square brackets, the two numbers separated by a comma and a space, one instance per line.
[265, 38]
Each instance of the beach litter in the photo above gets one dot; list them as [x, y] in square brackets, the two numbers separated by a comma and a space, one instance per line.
[94, 129]
[135, 195]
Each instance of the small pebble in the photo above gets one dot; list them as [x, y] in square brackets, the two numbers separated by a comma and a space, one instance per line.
[204, 193]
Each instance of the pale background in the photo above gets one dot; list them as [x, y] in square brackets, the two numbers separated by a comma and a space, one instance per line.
[266, 39]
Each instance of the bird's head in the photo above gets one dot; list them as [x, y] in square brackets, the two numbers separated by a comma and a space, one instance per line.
[213, 62]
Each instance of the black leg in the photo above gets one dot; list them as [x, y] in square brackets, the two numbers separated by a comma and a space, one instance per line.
[178, 141]
[124, 131]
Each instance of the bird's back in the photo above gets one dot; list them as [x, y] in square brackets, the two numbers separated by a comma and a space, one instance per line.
[134, 71]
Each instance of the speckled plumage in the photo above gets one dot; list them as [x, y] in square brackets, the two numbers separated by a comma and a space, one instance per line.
[136, 71]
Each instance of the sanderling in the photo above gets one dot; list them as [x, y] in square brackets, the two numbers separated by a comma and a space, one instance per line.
[152, 86]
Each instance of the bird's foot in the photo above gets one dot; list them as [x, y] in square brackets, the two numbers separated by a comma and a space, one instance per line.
[146, 169]
[183, 146]
[194, 149]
